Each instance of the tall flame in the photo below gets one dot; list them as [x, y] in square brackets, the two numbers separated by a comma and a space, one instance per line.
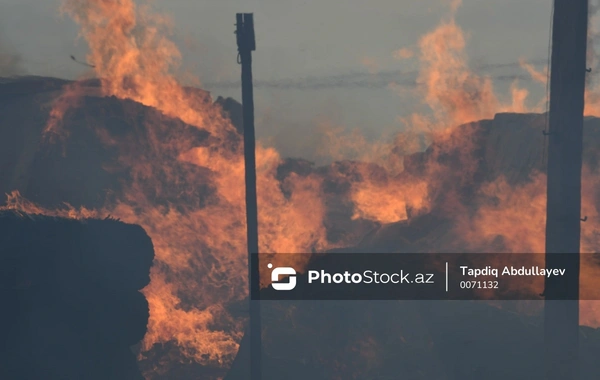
[200, 263]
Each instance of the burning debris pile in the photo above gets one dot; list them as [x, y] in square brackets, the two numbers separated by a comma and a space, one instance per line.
[104, 137]
[125, 159]
[478, 187]
[486, 190]
[129, 140]
[488, 199]
[118, 157]
[70, 295]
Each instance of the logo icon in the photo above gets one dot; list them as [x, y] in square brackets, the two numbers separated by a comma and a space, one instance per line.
[283, 271]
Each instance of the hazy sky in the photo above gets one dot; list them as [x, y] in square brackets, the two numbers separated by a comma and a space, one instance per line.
[311, 54]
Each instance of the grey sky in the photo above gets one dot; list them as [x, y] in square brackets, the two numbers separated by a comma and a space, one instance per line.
[308, 62]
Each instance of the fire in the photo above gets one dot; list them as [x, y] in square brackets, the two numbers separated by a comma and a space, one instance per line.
[592, 91]
[454, 95]
[453, 92]
[389, 200]
[200, 265]
[517, 213]
[536, 75]
[403, 53]
[67, 100]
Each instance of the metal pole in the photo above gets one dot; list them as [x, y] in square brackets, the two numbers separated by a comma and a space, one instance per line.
[246, 45]
[563, 218]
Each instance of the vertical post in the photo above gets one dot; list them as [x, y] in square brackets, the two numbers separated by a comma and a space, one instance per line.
[246, 45]
[563, 215]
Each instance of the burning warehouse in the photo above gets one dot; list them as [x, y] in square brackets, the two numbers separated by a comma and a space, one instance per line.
[124, 252]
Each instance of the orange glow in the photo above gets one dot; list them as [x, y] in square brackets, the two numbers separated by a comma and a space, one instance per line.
[200, 250]
[403, 53]
[200, 266]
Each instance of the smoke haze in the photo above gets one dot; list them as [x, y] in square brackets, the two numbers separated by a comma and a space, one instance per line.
[308, 58]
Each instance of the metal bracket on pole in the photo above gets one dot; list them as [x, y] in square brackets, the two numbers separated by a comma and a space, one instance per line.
[245, 32]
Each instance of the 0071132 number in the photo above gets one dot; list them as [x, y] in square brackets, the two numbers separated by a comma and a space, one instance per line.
[479, 284]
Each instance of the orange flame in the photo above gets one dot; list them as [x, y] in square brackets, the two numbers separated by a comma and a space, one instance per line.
[200, 262]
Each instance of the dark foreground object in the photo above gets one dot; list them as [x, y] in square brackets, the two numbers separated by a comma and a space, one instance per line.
[413, 340]
[69, 290]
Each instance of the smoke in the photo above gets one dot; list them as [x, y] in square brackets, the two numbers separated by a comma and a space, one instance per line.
[592, 94]
[10, 59]
[593, 35]
[198, 248]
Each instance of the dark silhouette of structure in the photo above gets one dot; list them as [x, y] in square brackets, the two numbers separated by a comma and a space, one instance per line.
[563, 218]
[69, 289]
[246, 45]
